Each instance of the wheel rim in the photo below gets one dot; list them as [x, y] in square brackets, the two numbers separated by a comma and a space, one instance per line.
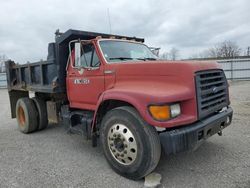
[122, 144]
[21, 116]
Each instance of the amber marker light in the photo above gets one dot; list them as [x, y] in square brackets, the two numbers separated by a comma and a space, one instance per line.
[165, 112]
[160, 113]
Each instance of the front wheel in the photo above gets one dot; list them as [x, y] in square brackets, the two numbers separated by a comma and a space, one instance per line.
[130, 145]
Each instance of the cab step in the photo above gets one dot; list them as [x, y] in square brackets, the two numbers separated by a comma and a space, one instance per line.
[77, 121]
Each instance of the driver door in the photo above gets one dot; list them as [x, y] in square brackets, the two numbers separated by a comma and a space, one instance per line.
[85, 78]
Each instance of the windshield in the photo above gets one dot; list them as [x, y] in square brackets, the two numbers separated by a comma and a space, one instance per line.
[117, 51]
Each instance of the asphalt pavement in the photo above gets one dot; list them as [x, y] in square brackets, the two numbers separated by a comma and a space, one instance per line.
[54, 158]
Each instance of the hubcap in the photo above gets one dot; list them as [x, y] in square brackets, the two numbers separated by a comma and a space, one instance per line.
[122, 144]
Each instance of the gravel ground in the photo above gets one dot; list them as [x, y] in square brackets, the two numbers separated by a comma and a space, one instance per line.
[53, 158]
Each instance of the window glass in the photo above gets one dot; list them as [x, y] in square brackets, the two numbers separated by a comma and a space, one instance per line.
[89, 57]
[95, 60]
[118, 51]
[87, 51]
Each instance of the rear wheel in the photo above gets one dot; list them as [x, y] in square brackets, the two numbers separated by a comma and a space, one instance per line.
[26, 115]
[42, 113]
[130, 145]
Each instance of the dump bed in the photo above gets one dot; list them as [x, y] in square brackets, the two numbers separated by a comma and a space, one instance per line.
[41, 76]
[49, 76]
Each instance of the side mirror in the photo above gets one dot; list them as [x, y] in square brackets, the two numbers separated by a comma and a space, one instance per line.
[77, 54]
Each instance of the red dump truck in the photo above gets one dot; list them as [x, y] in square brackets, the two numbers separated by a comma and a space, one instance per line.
[113, 89]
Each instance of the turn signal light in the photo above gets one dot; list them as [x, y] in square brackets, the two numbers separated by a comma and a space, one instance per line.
[160, 113]
[165, 112]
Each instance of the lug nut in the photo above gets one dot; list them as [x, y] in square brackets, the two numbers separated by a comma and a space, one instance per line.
[125, 145]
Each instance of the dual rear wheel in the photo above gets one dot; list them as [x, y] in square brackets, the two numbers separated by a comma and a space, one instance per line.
[31, 114]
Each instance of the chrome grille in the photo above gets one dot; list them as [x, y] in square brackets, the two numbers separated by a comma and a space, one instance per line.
[212, 92]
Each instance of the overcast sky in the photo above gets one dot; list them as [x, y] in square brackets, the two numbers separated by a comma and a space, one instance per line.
[191, 26]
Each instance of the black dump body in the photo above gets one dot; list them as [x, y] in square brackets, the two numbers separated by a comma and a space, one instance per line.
[49, 76]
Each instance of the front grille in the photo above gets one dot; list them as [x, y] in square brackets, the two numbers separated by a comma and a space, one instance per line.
[212, 92]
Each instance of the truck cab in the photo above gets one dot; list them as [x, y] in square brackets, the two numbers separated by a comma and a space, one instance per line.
[115, 89]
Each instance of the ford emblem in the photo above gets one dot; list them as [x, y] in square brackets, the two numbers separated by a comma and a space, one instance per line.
[215, 89]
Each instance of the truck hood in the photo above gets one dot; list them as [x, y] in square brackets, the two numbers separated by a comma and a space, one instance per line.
[157, 78]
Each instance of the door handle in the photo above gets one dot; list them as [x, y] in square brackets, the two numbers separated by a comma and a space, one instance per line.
[109, 72]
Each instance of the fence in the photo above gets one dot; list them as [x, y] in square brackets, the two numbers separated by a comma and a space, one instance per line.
[3, 82]
[236, 69]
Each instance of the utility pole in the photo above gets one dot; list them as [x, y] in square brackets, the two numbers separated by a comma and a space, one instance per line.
[110, 30]
[248, 51]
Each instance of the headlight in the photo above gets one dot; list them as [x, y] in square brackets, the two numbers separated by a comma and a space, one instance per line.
[164, 112]
[175, 110]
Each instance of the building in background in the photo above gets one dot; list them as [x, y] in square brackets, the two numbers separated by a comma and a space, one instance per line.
[237, 68]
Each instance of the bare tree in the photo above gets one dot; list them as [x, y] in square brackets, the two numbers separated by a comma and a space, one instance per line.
[164, 55]
[248, 51]
[225, 49]
[173, 54]
[202, 54]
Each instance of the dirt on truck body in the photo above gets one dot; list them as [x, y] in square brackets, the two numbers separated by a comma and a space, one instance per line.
[113, 88]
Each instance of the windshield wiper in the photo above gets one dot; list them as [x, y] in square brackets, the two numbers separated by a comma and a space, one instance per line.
[147, 58]
[121, 58]
[130, 58]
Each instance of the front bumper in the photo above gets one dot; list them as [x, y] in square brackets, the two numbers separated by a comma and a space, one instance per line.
[192, 136]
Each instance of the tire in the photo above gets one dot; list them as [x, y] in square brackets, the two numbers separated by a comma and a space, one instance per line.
[26, 115]
[42, 113]
[141, 154]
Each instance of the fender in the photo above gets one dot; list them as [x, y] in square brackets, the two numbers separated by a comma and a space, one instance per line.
[140, 97]
[114, 95]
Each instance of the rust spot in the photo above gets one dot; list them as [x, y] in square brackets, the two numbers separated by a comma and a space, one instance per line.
[21, 116]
